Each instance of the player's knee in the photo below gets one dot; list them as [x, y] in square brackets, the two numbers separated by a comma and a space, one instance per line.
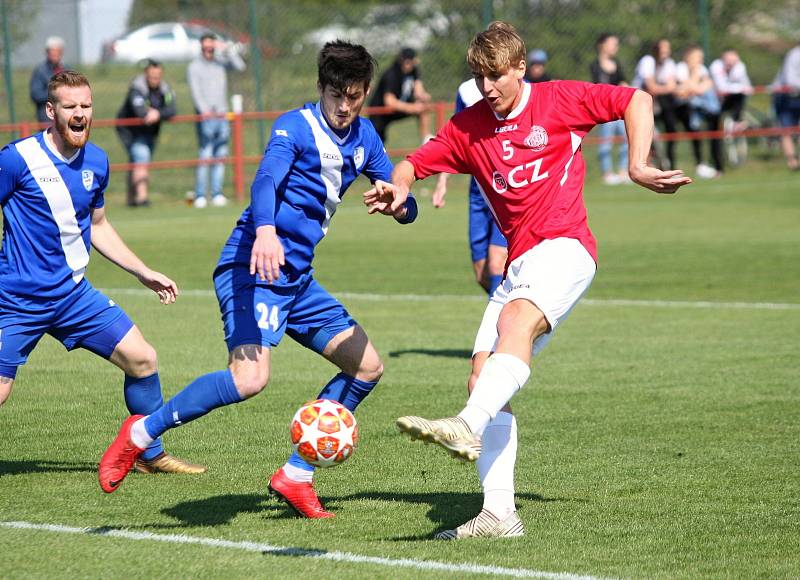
[522, 319]
[251, 381]
[144, 363]
[371, 370]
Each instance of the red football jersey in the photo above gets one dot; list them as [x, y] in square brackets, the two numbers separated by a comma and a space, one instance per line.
[528, 164]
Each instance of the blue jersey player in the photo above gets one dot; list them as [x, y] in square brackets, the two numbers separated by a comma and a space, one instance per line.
[264, 279]
[51, 190]
[486, 242]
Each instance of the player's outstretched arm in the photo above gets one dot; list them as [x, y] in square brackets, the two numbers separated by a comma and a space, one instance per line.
[106, 240]
[639, 128]
[388, 198]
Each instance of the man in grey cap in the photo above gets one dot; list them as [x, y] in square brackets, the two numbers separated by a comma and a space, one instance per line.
[537, 59]
[54, 49]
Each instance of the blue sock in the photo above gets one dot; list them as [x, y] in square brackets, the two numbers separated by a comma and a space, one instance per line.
[494, 281]
[142, 397]
[198, 398]
[349, 391]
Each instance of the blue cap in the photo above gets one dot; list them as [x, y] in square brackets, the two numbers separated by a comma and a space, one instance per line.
[537, 56]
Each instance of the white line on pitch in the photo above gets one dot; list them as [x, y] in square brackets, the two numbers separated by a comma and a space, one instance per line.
[475, 298]
[269, 549]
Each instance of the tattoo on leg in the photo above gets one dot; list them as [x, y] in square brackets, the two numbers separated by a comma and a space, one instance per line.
[246, 352]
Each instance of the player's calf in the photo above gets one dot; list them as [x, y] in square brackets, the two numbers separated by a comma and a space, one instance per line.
[5, 389]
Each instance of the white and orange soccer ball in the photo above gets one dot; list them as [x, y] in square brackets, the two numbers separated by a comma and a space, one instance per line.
[324, 432]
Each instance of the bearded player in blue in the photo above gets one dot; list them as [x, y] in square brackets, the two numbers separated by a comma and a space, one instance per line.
[264, 279]
[52, 188]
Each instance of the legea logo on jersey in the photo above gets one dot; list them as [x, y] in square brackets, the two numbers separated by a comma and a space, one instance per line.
[537, 138]
[88, 178]
[358, 156]
[499, 182]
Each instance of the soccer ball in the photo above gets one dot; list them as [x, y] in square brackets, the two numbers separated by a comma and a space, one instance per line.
[324, 432]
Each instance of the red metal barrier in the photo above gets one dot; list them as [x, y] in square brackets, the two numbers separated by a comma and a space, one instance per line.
[440, 110]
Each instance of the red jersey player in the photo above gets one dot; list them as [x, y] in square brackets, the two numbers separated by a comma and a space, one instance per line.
[523, 145]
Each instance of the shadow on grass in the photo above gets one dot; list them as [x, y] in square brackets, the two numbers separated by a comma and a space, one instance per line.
[43, 466]
[447, 509]
[442, 352]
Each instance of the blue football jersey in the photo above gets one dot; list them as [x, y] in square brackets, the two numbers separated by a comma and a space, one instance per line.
[305, 171]
[47, 202]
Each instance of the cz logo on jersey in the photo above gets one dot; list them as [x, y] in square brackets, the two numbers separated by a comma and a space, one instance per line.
[88, 178]
[358, 156]
[537, 138]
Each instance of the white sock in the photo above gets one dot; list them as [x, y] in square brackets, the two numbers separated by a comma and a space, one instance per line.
[297, 474]
[501, 377]
[139, 435]
[496, 464]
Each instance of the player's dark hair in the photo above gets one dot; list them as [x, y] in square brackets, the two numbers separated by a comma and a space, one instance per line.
[207, 35]
[67, 78]
[341, 64]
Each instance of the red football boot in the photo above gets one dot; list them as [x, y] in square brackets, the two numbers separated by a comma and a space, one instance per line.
[300, 496]
[118, 459]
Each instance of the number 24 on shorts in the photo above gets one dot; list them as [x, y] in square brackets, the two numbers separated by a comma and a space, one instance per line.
[267, 317]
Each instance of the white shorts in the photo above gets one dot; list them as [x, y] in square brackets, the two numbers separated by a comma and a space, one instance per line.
[553, 275]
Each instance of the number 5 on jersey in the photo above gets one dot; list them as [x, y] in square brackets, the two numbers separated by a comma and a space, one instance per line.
[267, 317]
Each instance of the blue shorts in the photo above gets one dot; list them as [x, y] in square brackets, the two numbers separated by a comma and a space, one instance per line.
[483, 230]
[85, 318]
[256, 312]
[141, 149]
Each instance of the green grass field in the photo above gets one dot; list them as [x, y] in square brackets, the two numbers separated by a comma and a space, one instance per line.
[658, 434]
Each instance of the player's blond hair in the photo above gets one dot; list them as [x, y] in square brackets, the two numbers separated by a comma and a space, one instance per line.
[496, 49]
[67, 78]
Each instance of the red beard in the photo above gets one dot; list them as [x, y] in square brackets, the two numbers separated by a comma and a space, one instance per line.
[72, 140]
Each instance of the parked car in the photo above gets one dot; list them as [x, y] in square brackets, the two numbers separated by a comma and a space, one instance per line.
[163, 41]
[386, 28]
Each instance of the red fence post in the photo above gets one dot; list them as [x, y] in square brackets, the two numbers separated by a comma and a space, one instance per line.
[440, 115]
[238, 156]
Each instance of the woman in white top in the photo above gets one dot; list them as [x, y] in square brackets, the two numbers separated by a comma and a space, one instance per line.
[655, 73]
[697, 107]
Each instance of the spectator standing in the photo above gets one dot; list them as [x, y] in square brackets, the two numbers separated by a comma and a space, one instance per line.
[655, 73]
[697, 107]
[537, 61]
[607, 70]
[52, 65]
[152, 100]
[731, 82]
[786, 100]
[400, 88]
[208, 84]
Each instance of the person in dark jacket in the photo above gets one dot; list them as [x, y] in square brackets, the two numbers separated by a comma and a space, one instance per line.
[152, 100]
[54, 49]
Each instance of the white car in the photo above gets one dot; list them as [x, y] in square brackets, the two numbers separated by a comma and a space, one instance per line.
[162, 41]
